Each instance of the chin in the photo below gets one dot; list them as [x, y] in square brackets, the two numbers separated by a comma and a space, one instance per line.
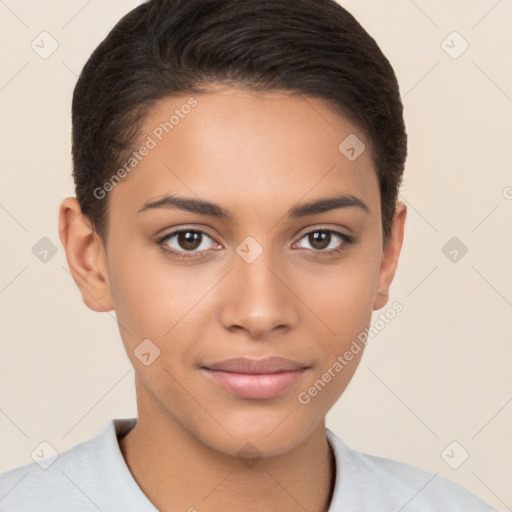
[260, 436]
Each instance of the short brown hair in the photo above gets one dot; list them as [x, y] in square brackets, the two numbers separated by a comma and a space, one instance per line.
[166, 48]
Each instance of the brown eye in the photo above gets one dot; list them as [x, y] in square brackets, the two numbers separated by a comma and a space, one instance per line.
[189, 240]
[326, 240]
[319, 239]
[187, 243]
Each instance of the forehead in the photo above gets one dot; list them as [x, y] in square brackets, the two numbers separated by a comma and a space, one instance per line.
[247, 149]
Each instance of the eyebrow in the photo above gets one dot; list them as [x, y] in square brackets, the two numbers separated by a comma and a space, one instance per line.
[214, 210]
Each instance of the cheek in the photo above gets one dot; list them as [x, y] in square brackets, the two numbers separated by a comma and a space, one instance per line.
[345, 306]
[158, 300]
[138, 288]
[342, 297]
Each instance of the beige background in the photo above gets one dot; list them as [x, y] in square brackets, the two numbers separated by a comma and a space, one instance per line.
[439, 372]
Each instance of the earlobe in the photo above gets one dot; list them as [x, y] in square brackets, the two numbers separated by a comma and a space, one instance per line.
[390, 256]
[85, 255]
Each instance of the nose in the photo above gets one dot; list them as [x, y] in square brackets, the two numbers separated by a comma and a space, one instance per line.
[259, 297]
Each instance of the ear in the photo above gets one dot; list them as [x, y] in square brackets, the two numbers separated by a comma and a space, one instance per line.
[85, 255]
[390, 256]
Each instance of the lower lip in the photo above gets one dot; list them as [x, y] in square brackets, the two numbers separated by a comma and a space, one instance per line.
[255, 386]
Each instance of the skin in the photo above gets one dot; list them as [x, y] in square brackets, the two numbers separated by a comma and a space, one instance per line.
[257, 155]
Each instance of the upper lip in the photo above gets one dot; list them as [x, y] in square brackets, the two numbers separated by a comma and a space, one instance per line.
[256, 366]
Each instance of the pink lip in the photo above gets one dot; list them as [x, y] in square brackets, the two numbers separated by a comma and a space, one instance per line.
[255, 379]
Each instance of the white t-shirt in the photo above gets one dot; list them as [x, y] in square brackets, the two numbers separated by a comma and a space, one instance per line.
[93, 476]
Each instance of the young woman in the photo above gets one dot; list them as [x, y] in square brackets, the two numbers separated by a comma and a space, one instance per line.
[237, 166]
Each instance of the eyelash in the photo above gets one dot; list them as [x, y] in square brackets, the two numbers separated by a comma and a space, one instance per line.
[192, 255]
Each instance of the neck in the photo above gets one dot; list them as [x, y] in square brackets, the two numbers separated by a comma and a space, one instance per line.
[178, 472]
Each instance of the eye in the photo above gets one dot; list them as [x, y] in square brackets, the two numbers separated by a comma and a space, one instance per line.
[326, 240]
[189, 243]
[183, 241]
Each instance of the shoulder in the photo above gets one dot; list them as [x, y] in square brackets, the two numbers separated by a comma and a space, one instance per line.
[375, 483]
[31, 484]
[75, 479]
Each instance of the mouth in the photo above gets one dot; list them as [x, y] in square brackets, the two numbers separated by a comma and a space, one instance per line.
[255, 379]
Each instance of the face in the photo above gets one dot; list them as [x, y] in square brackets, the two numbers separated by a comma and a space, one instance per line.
[246, 302]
